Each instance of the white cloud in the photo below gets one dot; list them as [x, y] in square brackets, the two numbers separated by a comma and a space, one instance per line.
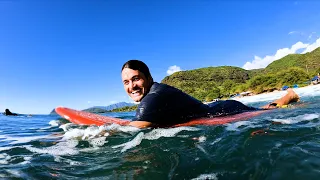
[173, 69]
[312, 46]
[259, 62]
[296, 32]
[292, 32]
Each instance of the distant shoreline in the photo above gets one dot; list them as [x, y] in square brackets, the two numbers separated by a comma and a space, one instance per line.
[269, 96]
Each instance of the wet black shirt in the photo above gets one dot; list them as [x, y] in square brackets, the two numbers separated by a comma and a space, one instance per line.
[166, 105]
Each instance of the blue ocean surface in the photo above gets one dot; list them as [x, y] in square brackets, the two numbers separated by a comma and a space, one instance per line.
[279, 144]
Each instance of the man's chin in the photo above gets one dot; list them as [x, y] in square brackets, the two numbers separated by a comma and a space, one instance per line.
[136, 99]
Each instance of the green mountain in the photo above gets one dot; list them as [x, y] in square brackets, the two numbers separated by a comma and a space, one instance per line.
[309, 61]
[104, 109]
[209, 83]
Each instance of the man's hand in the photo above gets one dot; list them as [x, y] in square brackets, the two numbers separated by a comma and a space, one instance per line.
[140, 124]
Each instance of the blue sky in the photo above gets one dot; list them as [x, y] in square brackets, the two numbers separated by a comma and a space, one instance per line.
[69, 53]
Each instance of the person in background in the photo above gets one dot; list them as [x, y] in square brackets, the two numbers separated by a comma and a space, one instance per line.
[7, 112]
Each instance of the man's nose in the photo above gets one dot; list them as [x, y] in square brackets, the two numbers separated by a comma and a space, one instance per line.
[133, 84]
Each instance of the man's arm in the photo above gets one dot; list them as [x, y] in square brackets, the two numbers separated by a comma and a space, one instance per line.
[140, 124]
[291, 96]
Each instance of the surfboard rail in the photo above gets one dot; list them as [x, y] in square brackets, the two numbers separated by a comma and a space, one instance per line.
[87, 118]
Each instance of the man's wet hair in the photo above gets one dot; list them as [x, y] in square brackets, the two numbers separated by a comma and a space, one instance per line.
[138, 65]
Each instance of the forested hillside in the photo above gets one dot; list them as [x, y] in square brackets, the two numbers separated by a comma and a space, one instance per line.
[213, 82]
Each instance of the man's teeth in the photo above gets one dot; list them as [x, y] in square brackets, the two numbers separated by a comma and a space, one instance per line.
[134, 92]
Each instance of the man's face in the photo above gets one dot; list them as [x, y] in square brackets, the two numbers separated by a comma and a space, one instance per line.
[135, 83]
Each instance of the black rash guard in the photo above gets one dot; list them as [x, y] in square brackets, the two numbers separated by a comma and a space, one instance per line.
[165, 105]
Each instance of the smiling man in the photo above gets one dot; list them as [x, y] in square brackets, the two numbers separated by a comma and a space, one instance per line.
[162, 105]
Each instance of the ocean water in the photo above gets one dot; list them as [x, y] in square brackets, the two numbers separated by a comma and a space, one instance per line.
[280, 144]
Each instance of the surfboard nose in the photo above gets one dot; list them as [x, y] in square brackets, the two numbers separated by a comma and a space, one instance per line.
[58, 109]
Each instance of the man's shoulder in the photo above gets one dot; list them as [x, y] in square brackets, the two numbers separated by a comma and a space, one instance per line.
[160, 87]
[159, 94]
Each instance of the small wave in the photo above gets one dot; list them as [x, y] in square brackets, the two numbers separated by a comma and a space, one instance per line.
[297, 119]
[4, 158]
[133, 143]
[96, 142]
[119, 128]
[65, 160]
[216, 141]
[212, 176]
[171, 132]
[60, 149]
[7, 148]
[18, 140]
[67, 126]
[236, 126]
[88, 133]
[202, 149]
[202, 139]
[17, 174]
[153, 135]
[74, 131]
[54, 123]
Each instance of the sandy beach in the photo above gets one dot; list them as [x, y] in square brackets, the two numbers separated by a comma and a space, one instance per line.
[311, 90]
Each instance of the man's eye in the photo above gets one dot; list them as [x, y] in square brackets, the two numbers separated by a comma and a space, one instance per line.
[136, 79]
[126, 82]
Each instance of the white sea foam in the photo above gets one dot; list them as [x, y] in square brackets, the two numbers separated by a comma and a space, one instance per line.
[65, 160]
[67, 126]
[3, 161]
[212, 176]
[17, 140]
[171, 132]
[236, 126]
[202, 139]
[90, 132]
[153, 135]
[7, 148]
[297, 119]
[119, 128]
[15, 173]
[100, 141]
[60, 149]
[202, 149]
[89, 149]
[26, 160]
[74, 131]
[3, 155]
[216, 141]
[133, 143]
[54, 123]
[4, 158]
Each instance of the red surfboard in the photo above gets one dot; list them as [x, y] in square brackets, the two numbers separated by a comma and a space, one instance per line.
[86, 118]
